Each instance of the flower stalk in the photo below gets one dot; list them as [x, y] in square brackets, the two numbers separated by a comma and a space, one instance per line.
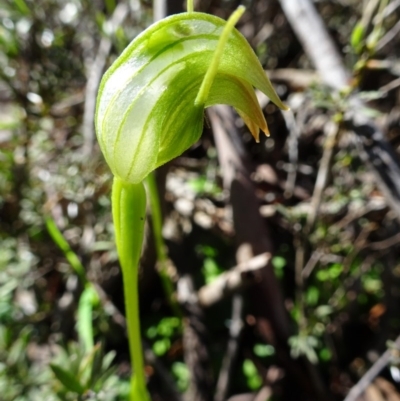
[129, 213]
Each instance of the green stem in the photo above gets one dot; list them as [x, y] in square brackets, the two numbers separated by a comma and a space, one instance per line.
[189, 6]
[213, 67]
[129, 212]
[162, 257]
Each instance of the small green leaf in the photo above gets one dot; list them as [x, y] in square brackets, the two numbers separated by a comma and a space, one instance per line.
[69, 381]
[325, 355]
[182, 374]
[167, 326]
[160, 347]
[84, 324]
[278, 262]
[323, 311]
[254, 380]
[357, 37]
[264, 350]
[211, 270]
[22, 7]
[312, 296]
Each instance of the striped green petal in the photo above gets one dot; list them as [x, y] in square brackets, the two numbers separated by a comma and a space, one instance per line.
[146, 113]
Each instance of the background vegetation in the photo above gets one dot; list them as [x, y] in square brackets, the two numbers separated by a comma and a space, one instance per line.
[307, 323]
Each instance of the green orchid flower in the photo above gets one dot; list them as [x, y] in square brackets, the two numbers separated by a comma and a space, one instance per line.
[150, 109]
[151, 101]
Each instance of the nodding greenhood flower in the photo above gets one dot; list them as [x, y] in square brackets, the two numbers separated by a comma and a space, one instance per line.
[150, 106]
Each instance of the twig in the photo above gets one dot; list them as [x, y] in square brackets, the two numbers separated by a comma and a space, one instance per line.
[194, 332]
[384, 244]
[232, 281]
[235, 331]
[323, 172]
[295, 78]
[370, 375]
[391, 85]
[389, 36]
[95, 73]
[159, 9]
[316, 41]
[301, 238]
[312, 262]
[264, 394]
[293, 150]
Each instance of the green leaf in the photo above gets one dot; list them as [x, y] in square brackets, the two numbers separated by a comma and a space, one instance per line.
[69, 381]
[160, 347]
[84, 324]
[182, 374]
[22, 7]
[323, 311]
[254, 380]
[264, 350]
[211, 270]
[357, 37]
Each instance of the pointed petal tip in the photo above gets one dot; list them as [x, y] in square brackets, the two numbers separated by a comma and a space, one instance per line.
[264, 128]
[266, 131]
[281, 105]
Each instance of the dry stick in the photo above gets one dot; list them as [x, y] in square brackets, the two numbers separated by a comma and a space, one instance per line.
[194, 334]
[235, 331]
[95, 74]
[370, 375]
[293, 150]
[159, 10]
[373, 148]
[322, 179]
[331, 130]
[296, 79]
[389, 36]
[384, 244]
[234, 280]
[390, 8]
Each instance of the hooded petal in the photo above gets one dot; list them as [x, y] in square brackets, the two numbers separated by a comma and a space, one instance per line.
[146, 113]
